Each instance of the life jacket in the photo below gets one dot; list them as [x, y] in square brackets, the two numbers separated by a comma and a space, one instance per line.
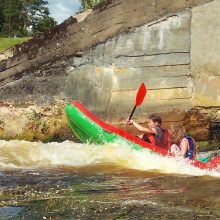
[165, 142]
[191, 152]
[166, 139]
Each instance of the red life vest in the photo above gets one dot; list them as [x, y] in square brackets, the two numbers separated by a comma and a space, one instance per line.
[164, 143]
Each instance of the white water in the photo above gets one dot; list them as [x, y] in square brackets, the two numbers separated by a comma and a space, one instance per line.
[34, 155]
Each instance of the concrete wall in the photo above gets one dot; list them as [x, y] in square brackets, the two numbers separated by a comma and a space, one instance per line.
[205, 54]
[172, 46]
[72, 37]
[156, 53]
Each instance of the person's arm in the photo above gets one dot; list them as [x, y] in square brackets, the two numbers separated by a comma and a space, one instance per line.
[183, 148]
[141, 128]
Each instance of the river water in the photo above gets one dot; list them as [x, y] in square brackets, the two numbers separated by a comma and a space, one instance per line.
[78, 181]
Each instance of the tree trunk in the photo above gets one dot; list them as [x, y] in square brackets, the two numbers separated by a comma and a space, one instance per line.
[9, 27]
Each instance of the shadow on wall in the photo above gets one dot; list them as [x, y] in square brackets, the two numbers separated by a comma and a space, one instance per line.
[214, 131]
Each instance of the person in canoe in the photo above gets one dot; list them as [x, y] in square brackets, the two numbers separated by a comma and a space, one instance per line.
[153, 133]
[183, 145]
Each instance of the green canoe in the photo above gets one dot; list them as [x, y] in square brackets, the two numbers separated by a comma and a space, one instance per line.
[90, 129]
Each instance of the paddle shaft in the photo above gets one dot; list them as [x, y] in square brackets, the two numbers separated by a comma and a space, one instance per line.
[130, 117]
[139, 99]
[132, 113]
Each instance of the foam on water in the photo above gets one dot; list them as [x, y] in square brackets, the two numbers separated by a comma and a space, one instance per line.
[34, 155]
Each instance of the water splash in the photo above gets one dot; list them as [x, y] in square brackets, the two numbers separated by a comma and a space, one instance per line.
[33, 155]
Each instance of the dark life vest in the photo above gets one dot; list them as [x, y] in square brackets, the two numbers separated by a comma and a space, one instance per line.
[190, 153]
[165, 142]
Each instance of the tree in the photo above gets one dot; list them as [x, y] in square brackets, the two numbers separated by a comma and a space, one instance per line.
[24, 17]
[10, 14]
[41, 24]
[34, 12]
[1, 14]
[86, 4]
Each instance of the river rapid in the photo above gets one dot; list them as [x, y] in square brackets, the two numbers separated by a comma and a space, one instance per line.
[79, 181]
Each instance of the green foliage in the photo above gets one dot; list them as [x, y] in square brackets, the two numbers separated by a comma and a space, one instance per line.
[41, 25]
[10, 13]
[24, 17]
[204, 146]
[86, 4]
[1, 14]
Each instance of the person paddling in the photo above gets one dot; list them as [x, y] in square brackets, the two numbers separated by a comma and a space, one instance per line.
[182, 145]
[154, 133]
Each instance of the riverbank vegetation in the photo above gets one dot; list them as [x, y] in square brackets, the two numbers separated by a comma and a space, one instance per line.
[86, 4]
[6, 43]
[24, 18]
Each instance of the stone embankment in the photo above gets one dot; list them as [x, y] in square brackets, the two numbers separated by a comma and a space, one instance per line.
[101, 57]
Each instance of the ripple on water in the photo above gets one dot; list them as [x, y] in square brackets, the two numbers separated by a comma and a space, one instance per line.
[7, 212]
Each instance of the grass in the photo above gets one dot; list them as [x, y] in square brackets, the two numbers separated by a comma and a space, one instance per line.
[6, 43]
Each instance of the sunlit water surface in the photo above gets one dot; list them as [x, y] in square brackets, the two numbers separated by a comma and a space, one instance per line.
[78, 181]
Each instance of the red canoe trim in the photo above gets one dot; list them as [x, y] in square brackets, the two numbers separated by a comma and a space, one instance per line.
[112, 129]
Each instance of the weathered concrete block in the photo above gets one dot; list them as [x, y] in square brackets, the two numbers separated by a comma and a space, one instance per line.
[153, 60]
[155, 71]
[170, 34]
[166, 99]
[90, 85]
[123, 79]
[205, 53]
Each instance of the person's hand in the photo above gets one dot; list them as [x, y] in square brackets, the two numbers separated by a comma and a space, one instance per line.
[130, 122]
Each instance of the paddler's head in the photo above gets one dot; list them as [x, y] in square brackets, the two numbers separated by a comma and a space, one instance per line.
[177, 133]
[154, 120]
